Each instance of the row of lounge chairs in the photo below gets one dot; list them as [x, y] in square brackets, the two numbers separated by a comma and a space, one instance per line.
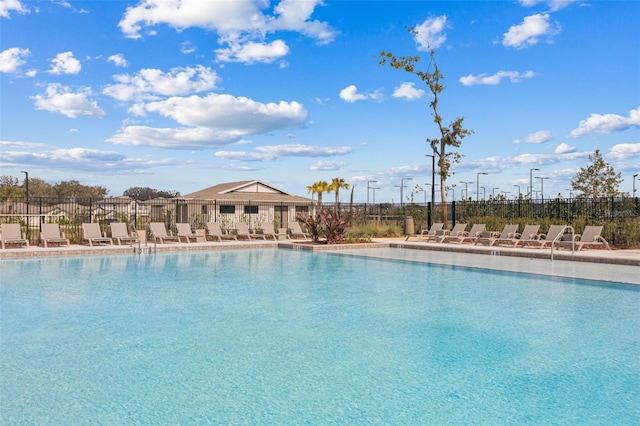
[50, 234]
[510, 237]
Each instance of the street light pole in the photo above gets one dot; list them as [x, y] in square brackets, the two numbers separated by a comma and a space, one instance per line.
[518, 190]
[542, 178]
[401, 192]
[634, 185]
[368, 187]
[478, 183]
[433, 178]
[466, 189]
[493, 192]
[531, 183]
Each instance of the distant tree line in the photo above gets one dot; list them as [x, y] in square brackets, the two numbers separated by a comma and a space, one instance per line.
[16, 189]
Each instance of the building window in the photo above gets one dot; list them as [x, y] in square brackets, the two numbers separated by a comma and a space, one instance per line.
[227, 209]
[302, 209]
[251, 209]
[205, 209]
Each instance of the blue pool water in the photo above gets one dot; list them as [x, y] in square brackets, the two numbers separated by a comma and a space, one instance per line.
[281, 337]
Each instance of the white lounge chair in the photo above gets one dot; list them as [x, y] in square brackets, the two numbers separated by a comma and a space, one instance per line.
[185, 233]
[10, 234]
[433, 233]
[541, 241]
[159, 233]
[295, 230]
[508, 232]
[92, 234]
[530, 232]
[456, 232]
[471, 236]
[120, 234]
[268, 230]
[214, 231]
[50, 235]
[589, 237]
[242, 231]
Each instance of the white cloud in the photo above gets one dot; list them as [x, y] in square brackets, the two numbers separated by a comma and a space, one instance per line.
[251, 52]
[513, 76]
[408, 91]
[554, 5]
[12, 59]
[273, 152]
[149, 83]
[243, 156]
[7, 6]
[564, 148]
[350, 94]
[541, 136]
[323, 165]
[240, 24]
[607, 123]
[187, 47]
[118, 60]
[65, 63]
[430, 33]
[623, 151]
[529, 32]
[61, 99]
[213, 120]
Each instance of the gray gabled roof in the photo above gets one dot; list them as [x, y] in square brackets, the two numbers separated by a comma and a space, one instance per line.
[248, 190]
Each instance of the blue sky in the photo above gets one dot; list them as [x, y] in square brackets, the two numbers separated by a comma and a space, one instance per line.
[187, 94]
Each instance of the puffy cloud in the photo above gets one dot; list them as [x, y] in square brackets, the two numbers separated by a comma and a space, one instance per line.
[118, 60]
[541, 136]
[554, 5]
[323, 165]
[408, 91]
[513, 76]
[12, 58]
[7, 6]
[430, 33]
[187, 47]
[240, 23]
[350, 94]
[65, 63]
[564, 148]
[61, 99]
[213, 120]
[607, 123]
[149, 83]
[623, 151]
[251, 52]
[529, 32]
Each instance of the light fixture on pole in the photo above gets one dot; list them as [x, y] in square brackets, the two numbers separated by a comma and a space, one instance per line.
[484, 192]
[518, 190]
[531, 183]
[374, 194]
[634, 185]
[466, 189]
[570, 193]
[368, 188]
[493, 192]
[478, 184]
[433, 178]
[401, 192]
[542, 179]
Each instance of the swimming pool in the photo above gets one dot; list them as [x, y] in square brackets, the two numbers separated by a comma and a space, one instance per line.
[285, 337]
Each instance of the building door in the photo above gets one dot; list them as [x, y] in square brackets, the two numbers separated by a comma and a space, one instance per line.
[281, 216]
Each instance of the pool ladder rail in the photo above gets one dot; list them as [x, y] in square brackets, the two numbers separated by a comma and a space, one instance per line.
[141, 249]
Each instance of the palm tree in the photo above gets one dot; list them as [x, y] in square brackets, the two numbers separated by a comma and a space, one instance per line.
[336, 184]
[319, 187]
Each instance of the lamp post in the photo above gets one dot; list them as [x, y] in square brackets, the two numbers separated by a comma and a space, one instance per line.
[401, 192]
[570, 193]
[634, 185]
[542, 179]
[484, 192]
[518, 190]
[26, 187]
[531, 183]
[374, 194]
[493, 192]
[466, 188]
[478, 183]
[368, 188]
[433, 178]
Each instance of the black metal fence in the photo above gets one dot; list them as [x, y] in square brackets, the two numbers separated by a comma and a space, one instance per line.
[614, 213]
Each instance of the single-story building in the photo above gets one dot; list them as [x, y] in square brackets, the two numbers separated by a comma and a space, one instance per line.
[252, 202]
